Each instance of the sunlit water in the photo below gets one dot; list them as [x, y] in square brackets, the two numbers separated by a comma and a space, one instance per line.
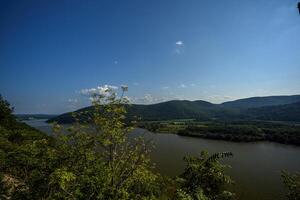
[255, 166]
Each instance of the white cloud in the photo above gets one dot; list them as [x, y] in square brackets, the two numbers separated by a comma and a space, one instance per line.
[148, 99]
[179, 43]
[219, 98]
[179, 47]
[136, 84]
[72, 100]
[100, 90]
[182, 86]
[192, 84]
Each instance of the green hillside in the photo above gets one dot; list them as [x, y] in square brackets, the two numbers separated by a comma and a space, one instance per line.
[200, 110]
[281, 108]
[255, 102]
[289, 112]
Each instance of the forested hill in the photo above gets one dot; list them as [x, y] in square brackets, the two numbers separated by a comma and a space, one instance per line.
[283, 108]
[255, 102]
[289, 112]
[161, 111]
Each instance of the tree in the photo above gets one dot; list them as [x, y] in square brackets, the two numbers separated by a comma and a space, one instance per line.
[99, 159]
[204, 178]
[292, 183]
[5, 112]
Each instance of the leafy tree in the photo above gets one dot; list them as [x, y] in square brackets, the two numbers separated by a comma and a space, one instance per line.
[5, 112]
[100, 160]
[292, 183]
[204, 178]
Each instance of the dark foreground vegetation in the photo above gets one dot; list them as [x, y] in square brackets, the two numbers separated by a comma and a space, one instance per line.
[237, 131]
[80, 163]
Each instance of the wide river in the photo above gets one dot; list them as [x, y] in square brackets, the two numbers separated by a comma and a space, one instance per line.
[255, 166]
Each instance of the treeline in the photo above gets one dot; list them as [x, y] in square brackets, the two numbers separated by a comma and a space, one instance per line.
[239, 131]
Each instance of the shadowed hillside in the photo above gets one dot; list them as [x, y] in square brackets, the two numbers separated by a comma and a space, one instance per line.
[281, 108]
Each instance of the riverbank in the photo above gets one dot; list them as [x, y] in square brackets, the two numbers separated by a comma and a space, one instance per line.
[239, 131]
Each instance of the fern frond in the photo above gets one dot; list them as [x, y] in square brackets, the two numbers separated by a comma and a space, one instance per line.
[217, 156]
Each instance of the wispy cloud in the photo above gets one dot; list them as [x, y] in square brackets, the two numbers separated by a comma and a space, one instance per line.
[182, 86]
[165, 87]
[72, 100]
[116, 62]
[72, 103]
[150, 99]
[219, 98]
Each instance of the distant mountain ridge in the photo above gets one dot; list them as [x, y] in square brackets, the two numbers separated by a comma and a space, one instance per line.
[288, 112]
[255, 102]
[283, 108]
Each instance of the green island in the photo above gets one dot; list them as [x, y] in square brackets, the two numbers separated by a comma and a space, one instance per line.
[237, 131]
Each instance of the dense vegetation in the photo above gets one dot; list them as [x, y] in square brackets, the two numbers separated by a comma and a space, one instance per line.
[81, 163]
[289, 112]
[277, 108]
[239, 131]
[292, 183]
[256, 102]
[100, 162]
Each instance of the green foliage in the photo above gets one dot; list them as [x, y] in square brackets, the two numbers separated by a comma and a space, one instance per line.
[204, 175]
[292, 184]
[97, 161]
[5, 110]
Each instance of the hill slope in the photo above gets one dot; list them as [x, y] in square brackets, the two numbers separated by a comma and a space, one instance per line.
[255, 102]
[289, 112]
[283, 108]
[161, 111]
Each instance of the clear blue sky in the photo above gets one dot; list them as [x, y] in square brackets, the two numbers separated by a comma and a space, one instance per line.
[171, 49]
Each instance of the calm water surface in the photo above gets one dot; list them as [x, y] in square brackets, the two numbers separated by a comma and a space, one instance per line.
[255, 166]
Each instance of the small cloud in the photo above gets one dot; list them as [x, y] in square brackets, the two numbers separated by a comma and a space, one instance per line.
[136, 84]
[165, 88]
[179, 43]
[149, 99]
[100, 90]
[219, 98]
[116, 62]
[72, 100]
[179, 47]
[182, 86]
[193, 85]
[72, 103]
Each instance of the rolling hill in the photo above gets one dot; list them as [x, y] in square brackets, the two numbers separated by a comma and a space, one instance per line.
[288, 112]
[255, 102]
[281, 108]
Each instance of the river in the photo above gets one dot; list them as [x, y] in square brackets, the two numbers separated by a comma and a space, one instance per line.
[255, 166]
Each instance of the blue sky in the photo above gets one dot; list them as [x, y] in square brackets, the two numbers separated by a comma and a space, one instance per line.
[172, 49]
